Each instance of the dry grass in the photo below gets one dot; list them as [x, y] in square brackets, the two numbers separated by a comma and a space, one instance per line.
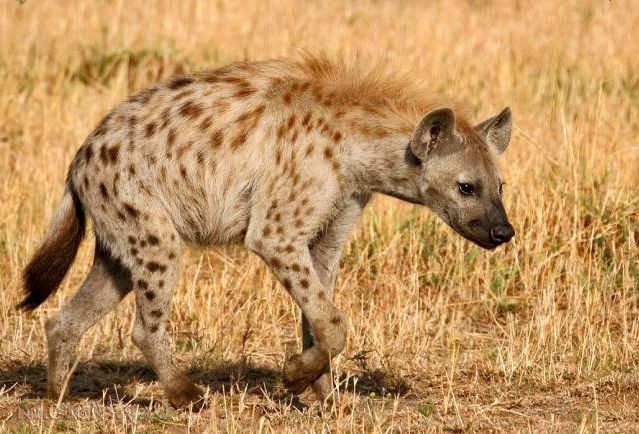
[540, 335]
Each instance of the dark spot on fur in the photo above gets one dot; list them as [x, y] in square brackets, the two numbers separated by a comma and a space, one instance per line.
[275, 263]
[134, 251]
[239, 139]
[336, 320]
[180, 82]
[153, 240]
[166, 118]
[103, 154]
[295, 267]
[307, 119]
[267, 231]
[131, 210]
[103, 191]
[304, 283]
[154, 266]
[150, 295]
[143, 284]
[200, 157]
[287, 284]
[114, 151]
[321, 295]
[170, 138]
[132, 240]
[217, 138]
[88, 153]
[328, 153]
[149, 129]
[171, 255]
[153, 328]
[280, 132]
[245, 90]
[291, 122]
[191, 109]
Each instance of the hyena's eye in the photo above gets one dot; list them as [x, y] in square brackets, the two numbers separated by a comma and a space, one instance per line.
[466, 189]
[501, 188]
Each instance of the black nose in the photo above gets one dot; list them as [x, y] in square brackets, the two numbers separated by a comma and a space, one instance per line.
[502, 233]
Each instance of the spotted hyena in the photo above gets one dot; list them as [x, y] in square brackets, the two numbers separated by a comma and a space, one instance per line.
[280, 155]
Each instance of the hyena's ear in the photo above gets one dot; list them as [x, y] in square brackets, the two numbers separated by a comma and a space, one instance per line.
[435, 130]
[496, 130]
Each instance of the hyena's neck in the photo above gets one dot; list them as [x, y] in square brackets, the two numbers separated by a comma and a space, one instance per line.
[387, 166]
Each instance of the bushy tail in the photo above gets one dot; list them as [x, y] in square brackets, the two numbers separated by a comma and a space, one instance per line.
[54, 257]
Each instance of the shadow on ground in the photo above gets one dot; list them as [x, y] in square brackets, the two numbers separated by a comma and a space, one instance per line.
[106, 379]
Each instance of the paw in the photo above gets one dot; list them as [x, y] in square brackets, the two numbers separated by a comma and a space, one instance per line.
[297, 384]
[296, 378]
[184, 394]
[324, 389]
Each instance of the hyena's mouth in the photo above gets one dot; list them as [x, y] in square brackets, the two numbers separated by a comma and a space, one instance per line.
[485, 244]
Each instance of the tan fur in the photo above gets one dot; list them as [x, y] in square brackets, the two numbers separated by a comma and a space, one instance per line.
[281, 155]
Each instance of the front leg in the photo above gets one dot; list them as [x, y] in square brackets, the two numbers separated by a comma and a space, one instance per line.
[280, 233]
[292, 265]
[326, 254]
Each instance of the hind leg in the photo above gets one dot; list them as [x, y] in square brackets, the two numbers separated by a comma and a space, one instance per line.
[107, 283]
[158, 259]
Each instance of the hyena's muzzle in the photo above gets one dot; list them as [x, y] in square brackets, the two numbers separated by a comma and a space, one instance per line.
[488, 230]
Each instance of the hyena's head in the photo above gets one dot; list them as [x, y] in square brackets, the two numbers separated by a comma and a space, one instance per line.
[459, 178]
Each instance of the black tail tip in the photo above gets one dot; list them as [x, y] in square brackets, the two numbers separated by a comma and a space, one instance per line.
[29, 303]
[36, 290]
[31, 300]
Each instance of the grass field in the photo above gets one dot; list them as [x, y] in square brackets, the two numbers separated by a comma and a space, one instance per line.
[541, 335]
